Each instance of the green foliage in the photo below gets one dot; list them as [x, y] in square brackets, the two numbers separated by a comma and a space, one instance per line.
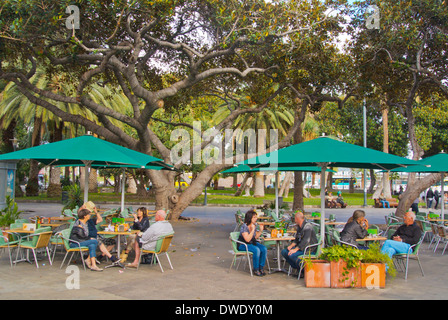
[374, 255]
[10, 213]
[74, 197]
[350, 255]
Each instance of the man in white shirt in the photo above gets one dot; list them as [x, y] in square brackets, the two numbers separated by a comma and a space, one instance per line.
[148, 239]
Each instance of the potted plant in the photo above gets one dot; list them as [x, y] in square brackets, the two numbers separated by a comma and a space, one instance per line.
[9, 213]
[317, 273]
[345, 263]
[373, 267]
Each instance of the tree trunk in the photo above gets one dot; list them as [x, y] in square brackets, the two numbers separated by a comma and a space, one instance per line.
[243, 184]
[259, 176]
[32, 187]
[412, 192]
[298, 203]
[386, 183]
[54, 187]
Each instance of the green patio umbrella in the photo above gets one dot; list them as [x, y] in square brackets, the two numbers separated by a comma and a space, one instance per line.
[433, 164]
[246, 168]
[84, 151]
[124, 167]
[324, 152]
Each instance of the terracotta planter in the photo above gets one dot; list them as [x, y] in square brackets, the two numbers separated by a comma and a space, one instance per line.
[317, 275]
[341, 277]
[373, 275]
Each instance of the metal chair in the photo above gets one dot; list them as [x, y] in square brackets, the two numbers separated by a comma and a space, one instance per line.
[65, 235]
[40, 239]
[162, 245]
[5, 243]
[238, 253]
[308, 255]
[443, 236]
[435, 236]
[402, 259]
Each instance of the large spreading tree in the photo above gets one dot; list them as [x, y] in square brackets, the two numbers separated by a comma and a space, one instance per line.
[164, 54]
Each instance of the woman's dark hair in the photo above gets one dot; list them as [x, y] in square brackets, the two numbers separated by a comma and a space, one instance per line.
[248, 216]
[144, 211]
[83, 213]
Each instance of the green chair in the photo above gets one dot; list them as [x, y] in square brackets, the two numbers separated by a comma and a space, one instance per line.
[307, 254]
[125, 213]
[6, 244]
[40, 239]
[56, 239]
[162, 246]
[238, 253]
[401, 260]
[337, 239]
[22, 220]
[65, 235]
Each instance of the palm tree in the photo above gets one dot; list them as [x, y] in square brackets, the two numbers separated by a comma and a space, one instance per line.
[40, 121]
[278, 117]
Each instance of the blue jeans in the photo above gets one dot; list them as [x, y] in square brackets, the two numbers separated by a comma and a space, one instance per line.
[259, 253]
[384, 202]
[91, 244]
[293, 258]
[391, 247]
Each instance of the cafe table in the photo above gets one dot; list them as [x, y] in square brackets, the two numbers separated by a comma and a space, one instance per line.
[278, 240]
[61, 218]
[369, 238]
[118, 234]
[334, 223]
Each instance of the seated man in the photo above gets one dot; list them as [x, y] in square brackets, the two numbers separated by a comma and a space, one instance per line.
[406, 235]
[384, 201]
[305, 236]
[148, 239]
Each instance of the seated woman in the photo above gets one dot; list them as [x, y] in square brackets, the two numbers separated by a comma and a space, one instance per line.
[80, 233]
[141, 222]
[356, 228]
[249, 235]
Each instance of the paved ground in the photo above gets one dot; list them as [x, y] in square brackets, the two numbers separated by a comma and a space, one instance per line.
[201, 257]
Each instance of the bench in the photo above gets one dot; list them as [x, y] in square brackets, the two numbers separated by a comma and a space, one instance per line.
[393, 203]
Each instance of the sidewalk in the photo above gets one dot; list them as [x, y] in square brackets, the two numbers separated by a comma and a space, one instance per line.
[201, 257]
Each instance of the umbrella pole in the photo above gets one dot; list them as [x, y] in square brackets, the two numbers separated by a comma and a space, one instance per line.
[276, 194]
[87, 165]
[442, 216]
[323, 167]
[123, 186]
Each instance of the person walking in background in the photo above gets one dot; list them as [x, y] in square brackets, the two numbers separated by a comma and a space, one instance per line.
[436, 198]
[429, 198]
